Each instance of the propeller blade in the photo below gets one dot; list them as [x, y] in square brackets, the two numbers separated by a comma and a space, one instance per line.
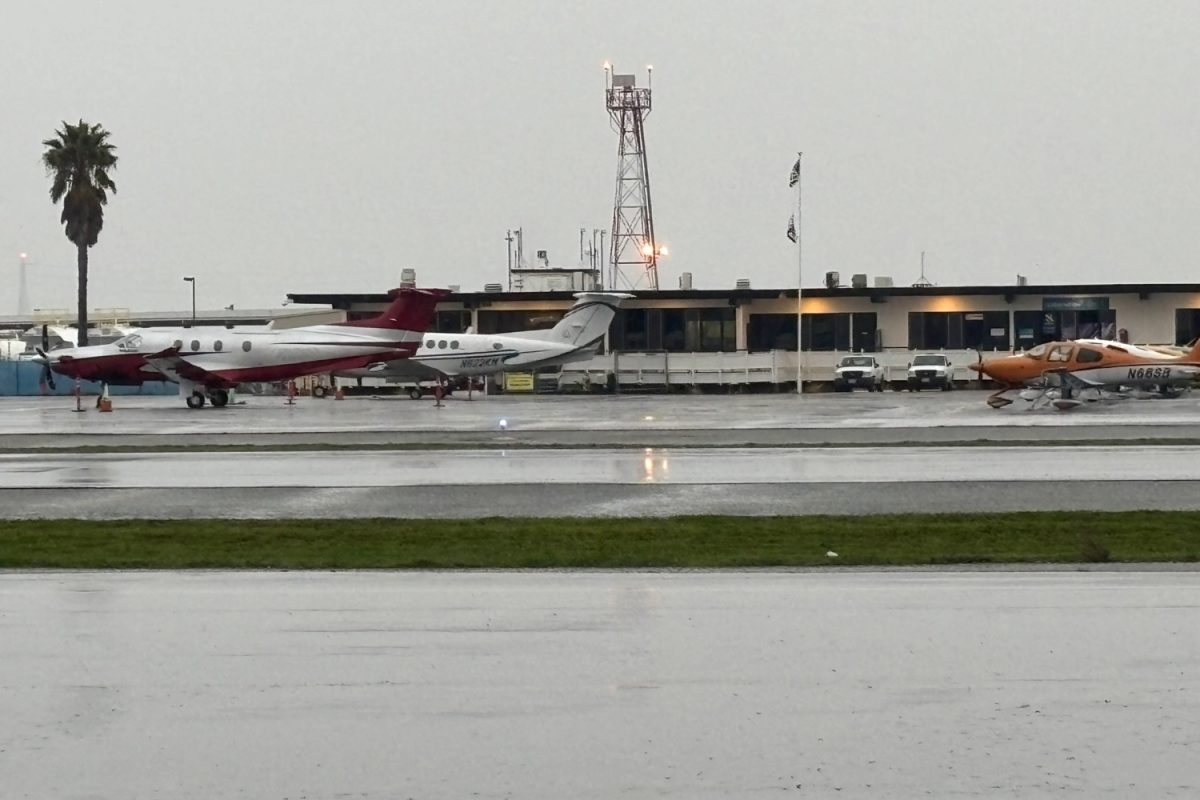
[45, 336]
[48, 376]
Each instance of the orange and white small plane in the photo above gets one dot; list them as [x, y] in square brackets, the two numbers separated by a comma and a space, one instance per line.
[1065, 371]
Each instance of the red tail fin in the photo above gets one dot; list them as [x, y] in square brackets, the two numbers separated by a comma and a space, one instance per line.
[411, 310]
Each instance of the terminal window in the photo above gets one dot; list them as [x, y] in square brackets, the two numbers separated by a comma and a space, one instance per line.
[516, 321]
[691, 330]
[1035, 327]
[958, 330]
[1187, 324]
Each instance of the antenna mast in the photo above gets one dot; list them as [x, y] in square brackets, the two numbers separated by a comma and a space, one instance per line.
[634, 257]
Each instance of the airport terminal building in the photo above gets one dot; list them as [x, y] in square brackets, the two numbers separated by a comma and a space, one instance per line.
[749, 336]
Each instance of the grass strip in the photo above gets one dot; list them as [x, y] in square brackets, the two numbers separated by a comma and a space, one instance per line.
[676, 542]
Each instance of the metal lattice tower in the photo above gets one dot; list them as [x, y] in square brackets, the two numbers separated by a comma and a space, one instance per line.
[633, 260]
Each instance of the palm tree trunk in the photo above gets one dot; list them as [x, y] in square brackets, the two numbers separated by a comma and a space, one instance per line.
[83, 318]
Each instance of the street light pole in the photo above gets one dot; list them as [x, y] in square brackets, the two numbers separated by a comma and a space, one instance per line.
[192, 280]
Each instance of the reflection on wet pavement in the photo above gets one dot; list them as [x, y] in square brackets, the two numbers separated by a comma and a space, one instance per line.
[597, 684]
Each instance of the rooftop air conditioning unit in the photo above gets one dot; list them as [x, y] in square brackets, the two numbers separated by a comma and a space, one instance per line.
[742, 283]
[1022, 280]
[883, 282]
[493, 288]
[685, 281]
[408, 277]
[544, 257]
[832, 280]
[859, 281]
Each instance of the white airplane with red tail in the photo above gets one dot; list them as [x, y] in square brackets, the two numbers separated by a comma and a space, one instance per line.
[208, 362]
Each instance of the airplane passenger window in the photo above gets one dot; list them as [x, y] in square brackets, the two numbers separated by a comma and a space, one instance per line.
[217, 345]
[442, 344]
[178, 345]
[429, 343]
[246, 345]
[195, 345]
[454, 345]
[1088, 356]
[497, 346]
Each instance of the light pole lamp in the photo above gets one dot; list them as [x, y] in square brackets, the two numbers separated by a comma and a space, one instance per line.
[192, 280]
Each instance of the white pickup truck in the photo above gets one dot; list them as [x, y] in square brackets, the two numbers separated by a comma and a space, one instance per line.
[858, 372]
[930, 371]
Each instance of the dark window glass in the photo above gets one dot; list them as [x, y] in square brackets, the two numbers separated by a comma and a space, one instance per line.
[673, 335]
[1088, 356]
[1187, 324]
[825, 332]
[452, 321]
[1028, 329]
[865, 338]
[516, 321]
[771, 332]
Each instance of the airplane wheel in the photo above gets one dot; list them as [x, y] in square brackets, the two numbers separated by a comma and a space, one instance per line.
[219, 398]
[415, 393]
[318, 392]
[195, 400]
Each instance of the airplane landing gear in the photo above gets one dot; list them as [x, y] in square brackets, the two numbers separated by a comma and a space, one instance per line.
[998, 400]
[195, 400]
[219, 398]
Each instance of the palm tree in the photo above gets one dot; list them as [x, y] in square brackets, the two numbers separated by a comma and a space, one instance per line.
[78, 161]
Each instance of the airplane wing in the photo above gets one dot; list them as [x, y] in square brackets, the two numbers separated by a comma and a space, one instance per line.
[175, 367]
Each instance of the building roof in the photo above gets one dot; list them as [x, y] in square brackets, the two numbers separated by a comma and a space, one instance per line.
[877, 293]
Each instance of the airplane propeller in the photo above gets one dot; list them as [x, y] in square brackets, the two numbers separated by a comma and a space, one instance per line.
[47, 373]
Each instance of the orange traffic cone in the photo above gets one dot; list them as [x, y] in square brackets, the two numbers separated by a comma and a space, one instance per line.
[104, 402]
[339, 394]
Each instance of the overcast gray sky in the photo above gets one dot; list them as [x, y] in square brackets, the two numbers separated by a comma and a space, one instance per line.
[278, 146]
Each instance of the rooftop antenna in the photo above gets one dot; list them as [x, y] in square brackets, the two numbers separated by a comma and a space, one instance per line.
[634, 256]
[922, 282]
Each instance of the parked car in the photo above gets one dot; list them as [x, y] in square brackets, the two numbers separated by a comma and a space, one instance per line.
[930, 371]
[858, 372]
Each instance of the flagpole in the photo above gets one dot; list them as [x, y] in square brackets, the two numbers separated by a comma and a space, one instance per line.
[799, 282]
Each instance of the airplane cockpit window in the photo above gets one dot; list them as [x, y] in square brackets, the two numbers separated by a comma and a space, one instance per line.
[1086, 355]
[1037, 352]
[130, 343]
[1060, 352]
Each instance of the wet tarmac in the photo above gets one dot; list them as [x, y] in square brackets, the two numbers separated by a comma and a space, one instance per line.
[597, 482]
[700, 466]
[598, 685]
[614, 456]
[660, 420]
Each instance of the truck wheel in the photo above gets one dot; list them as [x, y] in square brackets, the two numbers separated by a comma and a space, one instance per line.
[415, 393]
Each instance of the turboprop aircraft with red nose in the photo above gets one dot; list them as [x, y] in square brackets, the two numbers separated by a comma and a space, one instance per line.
[1068, 373]
[208, 362]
